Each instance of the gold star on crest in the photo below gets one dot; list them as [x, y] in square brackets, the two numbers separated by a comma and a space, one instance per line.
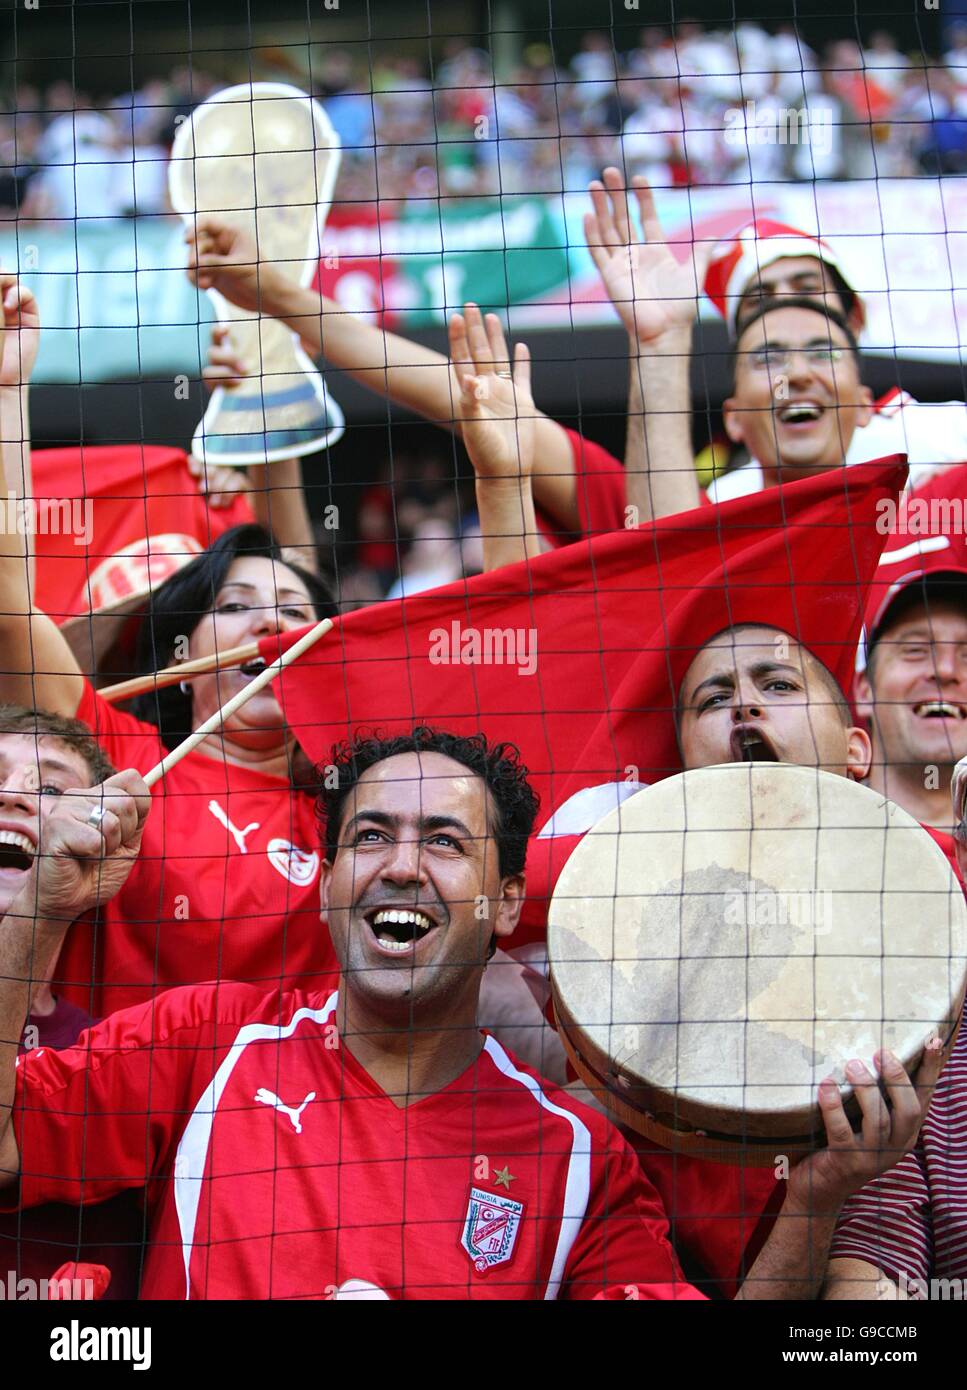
[503, 1177]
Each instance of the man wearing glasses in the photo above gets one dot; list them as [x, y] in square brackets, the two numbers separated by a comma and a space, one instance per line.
[797, 397]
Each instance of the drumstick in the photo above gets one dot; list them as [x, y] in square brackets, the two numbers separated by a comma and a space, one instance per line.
[171, 675]
[236, 702]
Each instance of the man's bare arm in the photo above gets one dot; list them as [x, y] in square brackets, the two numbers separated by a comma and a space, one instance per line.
[656, 298]
[496, 413]
[39, 668]
[858, 1280]
[78, 866]
[415, 377]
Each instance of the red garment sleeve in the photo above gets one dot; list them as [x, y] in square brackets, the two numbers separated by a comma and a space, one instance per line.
[106, 1114]
[128, 742]
[599, 480]
[622, 1250]
[720, 1213]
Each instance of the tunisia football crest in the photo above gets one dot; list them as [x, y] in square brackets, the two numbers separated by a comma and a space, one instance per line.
[299, 866]
[490, 1229]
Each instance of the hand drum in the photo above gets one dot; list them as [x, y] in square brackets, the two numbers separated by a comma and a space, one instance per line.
[726, 938]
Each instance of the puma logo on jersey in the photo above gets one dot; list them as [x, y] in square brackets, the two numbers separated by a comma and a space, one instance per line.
[239, 836]
[265, 1097]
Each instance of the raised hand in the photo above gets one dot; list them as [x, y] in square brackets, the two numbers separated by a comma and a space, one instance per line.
[21, 332]
[653, 290]
[825, 1179]
[219, 483]
[495, 408]
[88, 845]
[225, 258]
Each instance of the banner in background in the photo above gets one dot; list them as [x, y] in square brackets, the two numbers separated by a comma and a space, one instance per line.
[116, 303]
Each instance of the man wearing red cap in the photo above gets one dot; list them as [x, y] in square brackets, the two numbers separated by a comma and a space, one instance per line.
[765, 260]
[797, 397]
[911, 684]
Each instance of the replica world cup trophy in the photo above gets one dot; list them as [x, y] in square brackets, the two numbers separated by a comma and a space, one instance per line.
[264, 157]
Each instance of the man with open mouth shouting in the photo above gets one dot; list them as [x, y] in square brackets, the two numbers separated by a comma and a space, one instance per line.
[372, 1144]
[41, 756]
[754, 694]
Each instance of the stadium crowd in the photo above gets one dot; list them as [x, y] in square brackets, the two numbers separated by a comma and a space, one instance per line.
[696, 106]
[200, 967]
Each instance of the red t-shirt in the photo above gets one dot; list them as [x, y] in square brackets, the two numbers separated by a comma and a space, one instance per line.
[599, 480]
[277, 1168]
[226, 885]
[601, 496]
[946, 842]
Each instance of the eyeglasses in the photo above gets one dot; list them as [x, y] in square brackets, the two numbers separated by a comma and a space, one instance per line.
[778, 359]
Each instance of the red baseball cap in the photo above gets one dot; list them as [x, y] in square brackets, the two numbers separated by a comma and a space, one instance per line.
[749, 250]
[918, 553]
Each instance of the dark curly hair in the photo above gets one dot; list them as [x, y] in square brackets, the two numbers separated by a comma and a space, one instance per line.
[178, 606]
[514, 799]
[72, 733]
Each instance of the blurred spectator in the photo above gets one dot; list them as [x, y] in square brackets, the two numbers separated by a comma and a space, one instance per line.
[78, 151]
[760, 138]
[956, 56]
[820, 152]
[415, 129]
[883, 58]
[348, 102]
[649, 143]
[756, 62]
[655, 54]
[796, 64]
[944, 148]
[433, 558]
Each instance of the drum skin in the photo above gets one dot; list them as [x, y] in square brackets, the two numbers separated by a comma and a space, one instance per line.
[727, 938]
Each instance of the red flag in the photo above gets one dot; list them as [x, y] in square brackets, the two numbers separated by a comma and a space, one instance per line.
[578, 656]
[115, 497]
[927, 539]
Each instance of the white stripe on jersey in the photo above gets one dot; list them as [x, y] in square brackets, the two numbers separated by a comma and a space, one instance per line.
[192, 1153]
[577, 1188]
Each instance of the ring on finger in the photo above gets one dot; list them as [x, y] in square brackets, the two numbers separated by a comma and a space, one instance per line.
[95, 817]
[509, 375]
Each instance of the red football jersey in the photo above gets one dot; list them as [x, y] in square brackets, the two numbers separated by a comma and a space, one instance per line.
[277, 1168]
[226, 885]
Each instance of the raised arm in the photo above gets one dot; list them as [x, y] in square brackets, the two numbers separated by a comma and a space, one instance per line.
[656, 297]
[793, 1261]
[497, 423]
[78, 866]
[39, 669]
[274, 490]
[221, 257]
